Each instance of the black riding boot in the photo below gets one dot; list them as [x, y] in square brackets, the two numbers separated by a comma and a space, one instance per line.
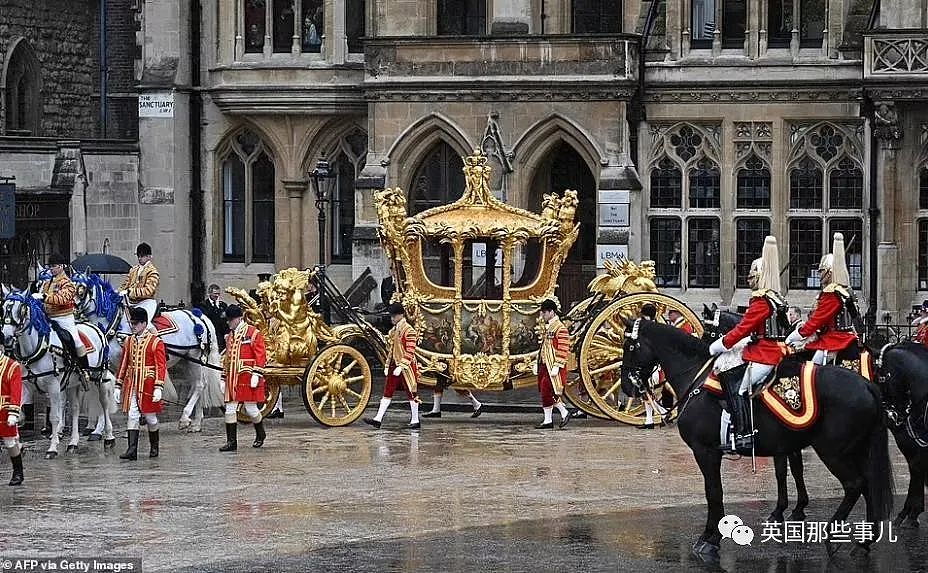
[260, 435]
[153, 440]
[17, 470]
[133, 452]
[231, 438]
[28, 418]
[744, 437]
[47, 429]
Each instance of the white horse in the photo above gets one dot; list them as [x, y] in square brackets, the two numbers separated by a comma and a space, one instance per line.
[189, 337]
[45, 370]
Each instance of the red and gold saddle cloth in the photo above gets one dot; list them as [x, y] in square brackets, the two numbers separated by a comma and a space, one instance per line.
[791, 397]
[164, 325]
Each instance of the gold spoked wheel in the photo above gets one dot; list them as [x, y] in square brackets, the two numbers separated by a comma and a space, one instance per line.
[576, 394]
[271, 393]
[337, 385]
[601, 353]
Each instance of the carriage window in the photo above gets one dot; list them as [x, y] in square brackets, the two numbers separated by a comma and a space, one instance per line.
[754, 185]
[438, 262]
[852, 229]
[805, 252]
[923, 254]
[805, 185]
[526, 263]
[703, 251]
[666, 184]
[846, 186]
[482, 270]
[750, 234]
[666, 250]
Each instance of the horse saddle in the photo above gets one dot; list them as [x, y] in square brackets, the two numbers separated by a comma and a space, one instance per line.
[67, 341]
[857, 359]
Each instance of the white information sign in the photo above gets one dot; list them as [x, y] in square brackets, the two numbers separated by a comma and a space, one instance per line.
[609, 253]
[156, 105]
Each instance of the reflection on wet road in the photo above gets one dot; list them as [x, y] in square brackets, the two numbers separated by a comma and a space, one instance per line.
[462, 494]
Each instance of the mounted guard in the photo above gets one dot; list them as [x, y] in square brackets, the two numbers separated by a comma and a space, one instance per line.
[763, 323]
[832, 320]
[141, 286]
[57, 294]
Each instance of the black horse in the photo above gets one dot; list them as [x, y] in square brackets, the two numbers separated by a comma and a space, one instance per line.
[901, 373]
[717, 323]
[856, 453]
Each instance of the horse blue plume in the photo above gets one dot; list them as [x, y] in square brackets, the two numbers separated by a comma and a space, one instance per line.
[198, 329]
[37, 317]
[197, 312]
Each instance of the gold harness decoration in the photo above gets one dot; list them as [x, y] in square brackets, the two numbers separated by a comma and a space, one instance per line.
[793, 401]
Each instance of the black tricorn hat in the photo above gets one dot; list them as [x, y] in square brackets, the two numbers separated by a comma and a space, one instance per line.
[143, 250]
[548, 304]
[396, 308]
[138, 314]
[233, 311]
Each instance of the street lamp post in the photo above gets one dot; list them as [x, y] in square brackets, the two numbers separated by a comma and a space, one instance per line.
[322, 178]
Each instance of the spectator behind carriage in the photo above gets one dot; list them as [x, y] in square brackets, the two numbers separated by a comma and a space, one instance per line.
[922, 316]
[794, 316]
[214, 308]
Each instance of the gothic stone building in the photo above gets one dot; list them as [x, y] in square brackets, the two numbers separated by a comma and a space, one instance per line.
[690, 129]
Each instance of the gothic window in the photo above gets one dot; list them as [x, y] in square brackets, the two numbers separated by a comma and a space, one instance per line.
[846, 186]
[923, 254]
[702, 24]
[248, 185]
[703, 252]
[705, 185]
[437, 181]
[805, 185]
[313, 26]
[666, 184]
[596, 16]
[749, 241]
[349, 161]
[283, 25]
[811, 23]
[685, 142]
[23, 92]
[826, 142]
[923, 188]
[805, 252]
[753, 185]
[255, 15]
[355, 25]
[666, 250]
[853, 231]
[779, 23]
[734, 20]
[462, 17]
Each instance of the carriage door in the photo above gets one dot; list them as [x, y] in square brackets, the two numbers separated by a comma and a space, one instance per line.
[564, 168]
[43, 227]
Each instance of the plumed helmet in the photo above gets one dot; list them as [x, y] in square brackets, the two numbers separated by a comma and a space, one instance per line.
[766, 269]
[233, 311]
[835, 264]
[143, 250]
[138, 314]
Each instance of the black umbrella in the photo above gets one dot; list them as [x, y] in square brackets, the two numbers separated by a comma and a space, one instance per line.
[102, 263]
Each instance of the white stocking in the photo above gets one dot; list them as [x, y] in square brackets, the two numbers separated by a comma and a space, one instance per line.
[384, 404]
[549, 410]
[251, 408]
[436, 402]
[414, 412]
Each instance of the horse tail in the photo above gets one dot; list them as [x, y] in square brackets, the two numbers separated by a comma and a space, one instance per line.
[879, 469]
[213, 391]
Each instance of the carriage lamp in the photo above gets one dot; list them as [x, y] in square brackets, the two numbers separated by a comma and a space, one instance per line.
[323, 180]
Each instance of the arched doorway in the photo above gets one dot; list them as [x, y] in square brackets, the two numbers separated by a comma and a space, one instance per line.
[564, 168]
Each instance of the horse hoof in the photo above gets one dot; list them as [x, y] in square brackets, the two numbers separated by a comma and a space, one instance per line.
[183, 423]
[706, 552]
[775, 517]
[72, 449]
[94, 438]
[51, 455]
[194, 429]
[109, 443]
[797, 516]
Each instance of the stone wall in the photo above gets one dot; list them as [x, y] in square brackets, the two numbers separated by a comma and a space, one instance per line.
[112, 202]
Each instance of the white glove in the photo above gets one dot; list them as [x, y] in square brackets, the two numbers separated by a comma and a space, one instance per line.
[386, 370]
[254, 380]
[38, 296]
[117, 394]
[535, 368]
[156, 395]
[123, 293]
[717, 348]
[397, 371]
[12, 420]
[793, 338]
[555, 371]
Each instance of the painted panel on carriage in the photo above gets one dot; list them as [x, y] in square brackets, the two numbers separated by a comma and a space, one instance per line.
[523, 322]
[436, 328]
[483, 329]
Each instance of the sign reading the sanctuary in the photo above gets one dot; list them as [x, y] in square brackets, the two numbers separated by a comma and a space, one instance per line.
[156, 105]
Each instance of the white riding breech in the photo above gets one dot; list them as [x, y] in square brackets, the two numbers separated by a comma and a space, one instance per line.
[251, 408]
[823, 357]
[66, 322]
[754, 375]
[135, 415]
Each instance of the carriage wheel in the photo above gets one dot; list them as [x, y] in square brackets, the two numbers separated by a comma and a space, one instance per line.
[576, 394]
[337, 385]
[601, 354]
[271, 393]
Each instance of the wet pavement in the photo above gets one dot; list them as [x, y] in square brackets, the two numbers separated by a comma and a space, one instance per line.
[459, 495]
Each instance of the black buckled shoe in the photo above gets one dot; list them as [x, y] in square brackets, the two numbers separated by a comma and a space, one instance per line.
[260, 435]
[477, 412]
[371, 422]
[566, 419]
[545, 426]
[415, 426]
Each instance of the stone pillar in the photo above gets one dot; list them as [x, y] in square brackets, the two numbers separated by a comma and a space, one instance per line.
[888, 131]
[511, 17]
[295, 188]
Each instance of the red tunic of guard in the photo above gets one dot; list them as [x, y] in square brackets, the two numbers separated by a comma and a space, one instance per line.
[555, 351]
[754, 323]
[823, 321]
[684, 326]
[143, 368]
[11, 394]
[246, 354]
[403, 340]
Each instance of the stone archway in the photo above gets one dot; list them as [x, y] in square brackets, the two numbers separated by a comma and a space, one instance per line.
[564, 168]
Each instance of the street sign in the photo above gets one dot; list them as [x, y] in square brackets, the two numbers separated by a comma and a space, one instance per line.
[156, 105]
[7, 210]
